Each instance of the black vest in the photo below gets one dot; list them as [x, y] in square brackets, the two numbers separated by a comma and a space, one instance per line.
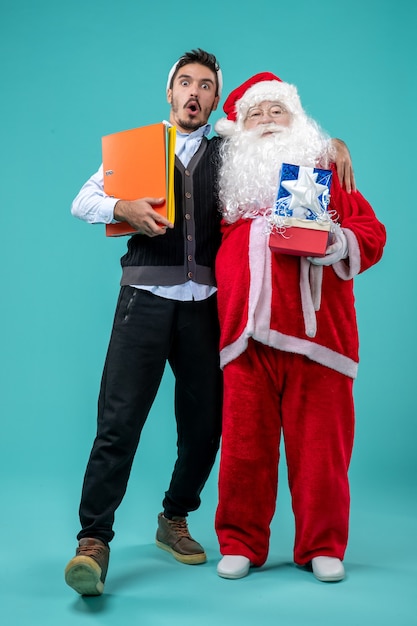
[188, 251]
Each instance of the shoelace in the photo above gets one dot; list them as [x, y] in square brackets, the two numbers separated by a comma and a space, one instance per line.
[180, 527]
[91, 550]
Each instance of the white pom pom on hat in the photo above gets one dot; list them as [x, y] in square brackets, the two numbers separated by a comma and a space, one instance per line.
[259, 88]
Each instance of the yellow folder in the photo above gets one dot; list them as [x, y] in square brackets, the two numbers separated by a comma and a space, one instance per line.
[139, 163]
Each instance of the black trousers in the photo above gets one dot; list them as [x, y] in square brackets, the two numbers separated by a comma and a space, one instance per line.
[147, 332]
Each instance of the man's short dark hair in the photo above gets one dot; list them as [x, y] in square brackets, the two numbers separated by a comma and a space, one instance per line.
[198, 56]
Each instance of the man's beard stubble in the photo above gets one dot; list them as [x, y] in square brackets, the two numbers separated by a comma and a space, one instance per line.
[189, 123]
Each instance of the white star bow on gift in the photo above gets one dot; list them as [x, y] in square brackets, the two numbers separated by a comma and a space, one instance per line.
[305, 192]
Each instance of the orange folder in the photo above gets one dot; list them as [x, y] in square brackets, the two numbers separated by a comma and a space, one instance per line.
[139, 163]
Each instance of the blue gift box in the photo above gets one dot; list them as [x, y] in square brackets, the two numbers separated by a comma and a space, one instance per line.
[300, 218]
[303, 192]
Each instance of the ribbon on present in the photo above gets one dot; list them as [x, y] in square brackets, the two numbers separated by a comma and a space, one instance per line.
[303, 195]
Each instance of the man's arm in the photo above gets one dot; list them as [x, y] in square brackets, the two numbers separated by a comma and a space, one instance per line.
[93, 206]
[91, 203]
[344, 166]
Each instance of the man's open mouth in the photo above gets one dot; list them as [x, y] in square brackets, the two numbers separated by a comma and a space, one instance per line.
[192, 106]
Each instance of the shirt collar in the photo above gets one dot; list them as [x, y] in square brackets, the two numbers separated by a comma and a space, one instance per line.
[203, 131]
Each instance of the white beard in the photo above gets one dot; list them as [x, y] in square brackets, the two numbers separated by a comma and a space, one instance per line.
[251, 164]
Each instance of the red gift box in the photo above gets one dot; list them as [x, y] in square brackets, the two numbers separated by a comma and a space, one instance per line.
[307, 238]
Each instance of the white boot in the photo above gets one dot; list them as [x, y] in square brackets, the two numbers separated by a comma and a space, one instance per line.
[328, 569]
[233, 566]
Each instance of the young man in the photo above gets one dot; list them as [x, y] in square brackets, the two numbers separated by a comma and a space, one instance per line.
[166, 312]
[289, 344]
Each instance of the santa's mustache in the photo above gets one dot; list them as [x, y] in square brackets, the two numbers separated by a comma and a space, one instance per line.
[260, 130]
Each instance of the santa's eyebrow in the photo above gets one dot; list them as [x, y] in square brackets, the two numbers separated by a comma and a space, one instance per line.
[272, 104]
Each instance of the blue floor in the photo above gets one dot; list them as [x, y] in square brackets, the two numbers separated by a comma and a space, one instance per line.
[146, 586]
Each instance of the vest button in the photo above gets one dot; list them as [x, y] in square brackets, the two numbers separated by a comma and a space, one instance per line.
[187, 216]
[188, 195]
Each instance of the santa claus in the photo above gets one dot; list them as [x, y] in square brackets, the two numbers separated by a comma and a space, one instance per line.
[289, 340]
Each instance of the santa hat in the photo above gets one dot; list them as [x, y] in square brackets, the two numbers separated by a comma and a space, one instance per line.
[257, 89]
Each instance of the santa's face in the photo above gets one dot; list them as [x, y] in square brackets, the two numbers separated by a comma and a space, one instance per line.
[265, 113]
[252, 157]
[192, 97]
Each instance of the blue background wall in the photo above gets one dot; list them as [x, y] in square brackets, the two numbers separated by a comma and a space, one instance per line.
[72, 72]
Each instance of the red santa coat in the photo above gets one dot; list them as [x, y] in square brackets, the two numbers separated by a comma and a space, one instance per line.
[285, 302]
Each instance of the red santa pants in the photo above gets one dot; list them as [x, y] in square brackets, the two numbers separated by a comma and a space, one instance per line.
[267, 391]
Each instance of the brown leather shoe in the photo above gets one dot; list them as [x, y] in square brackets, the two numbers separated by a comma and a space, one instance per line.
[86, 572]
[174, 537]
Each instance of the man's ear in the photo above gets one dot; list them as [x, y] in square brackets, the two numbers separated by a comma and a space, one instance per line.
[169, 96]
[216, 102]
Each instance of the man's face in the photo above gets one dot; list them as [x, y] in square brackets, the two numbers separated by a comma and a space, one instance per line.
[265, 113]
[192, 97]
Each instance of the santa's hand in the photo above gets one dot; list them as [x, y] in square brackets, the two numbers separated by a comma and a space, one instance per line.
[337, 250]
